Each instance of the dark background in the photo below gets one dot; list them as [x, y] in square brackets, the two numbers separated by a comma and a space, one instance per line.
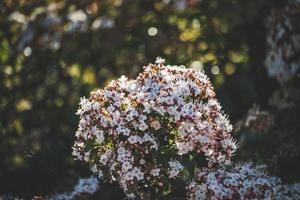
[52, 52]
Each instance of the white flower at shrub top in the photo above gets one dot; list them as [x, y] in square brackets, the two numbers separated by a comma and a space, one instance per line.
[239, 182]
[142, 133]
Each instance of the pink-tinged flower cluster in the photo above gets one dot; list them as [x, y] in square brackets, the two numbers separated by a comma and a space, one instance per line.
[138, 132]
[239, 182]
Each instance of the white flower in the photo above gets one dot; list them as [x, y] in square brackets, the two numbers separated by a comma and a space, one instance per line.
[185, 91]
[99, 136]
[103, 159]
[123, 78]
[86, 157]
[134, 139]
[126, 131]
[126, 166]
[182, 148]
[155, 172]
[142, 161]
[175, 168]
[110, 109]
[134, 113]
[177, 116]
[171, 110]
[121, 150]
[130, 196]
[159, 60]
[143, 126]
[169, 101]
[136, 172]
[129, 176]
[140, 176]
[142, 118]
[132, 87]
[129, 117]
[100, 174]
[94, 169]
[86, 185]
[96, 106]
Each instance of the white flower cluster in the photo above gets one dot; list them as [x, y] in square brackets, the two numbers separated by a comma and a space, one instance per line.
[240, 182]
[285, 191]
[137, 132]
[175, 168]
[84, 186]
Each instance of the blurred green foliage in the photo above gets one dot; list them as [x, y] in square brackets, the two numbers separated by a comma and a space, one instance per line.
[52, 52]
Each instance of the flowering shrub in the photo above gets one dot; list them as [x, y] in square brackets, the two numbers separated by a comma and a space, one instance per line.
[239, 182]
[144, 133]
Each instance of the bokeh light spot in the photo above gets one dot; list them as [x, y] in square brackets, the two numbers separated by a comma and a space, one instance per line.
[197, 65]
[23, 104]
[89, 76]
[152, 31]
[215, 70]
[229, 68]
[27, 51]
[8, 70]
